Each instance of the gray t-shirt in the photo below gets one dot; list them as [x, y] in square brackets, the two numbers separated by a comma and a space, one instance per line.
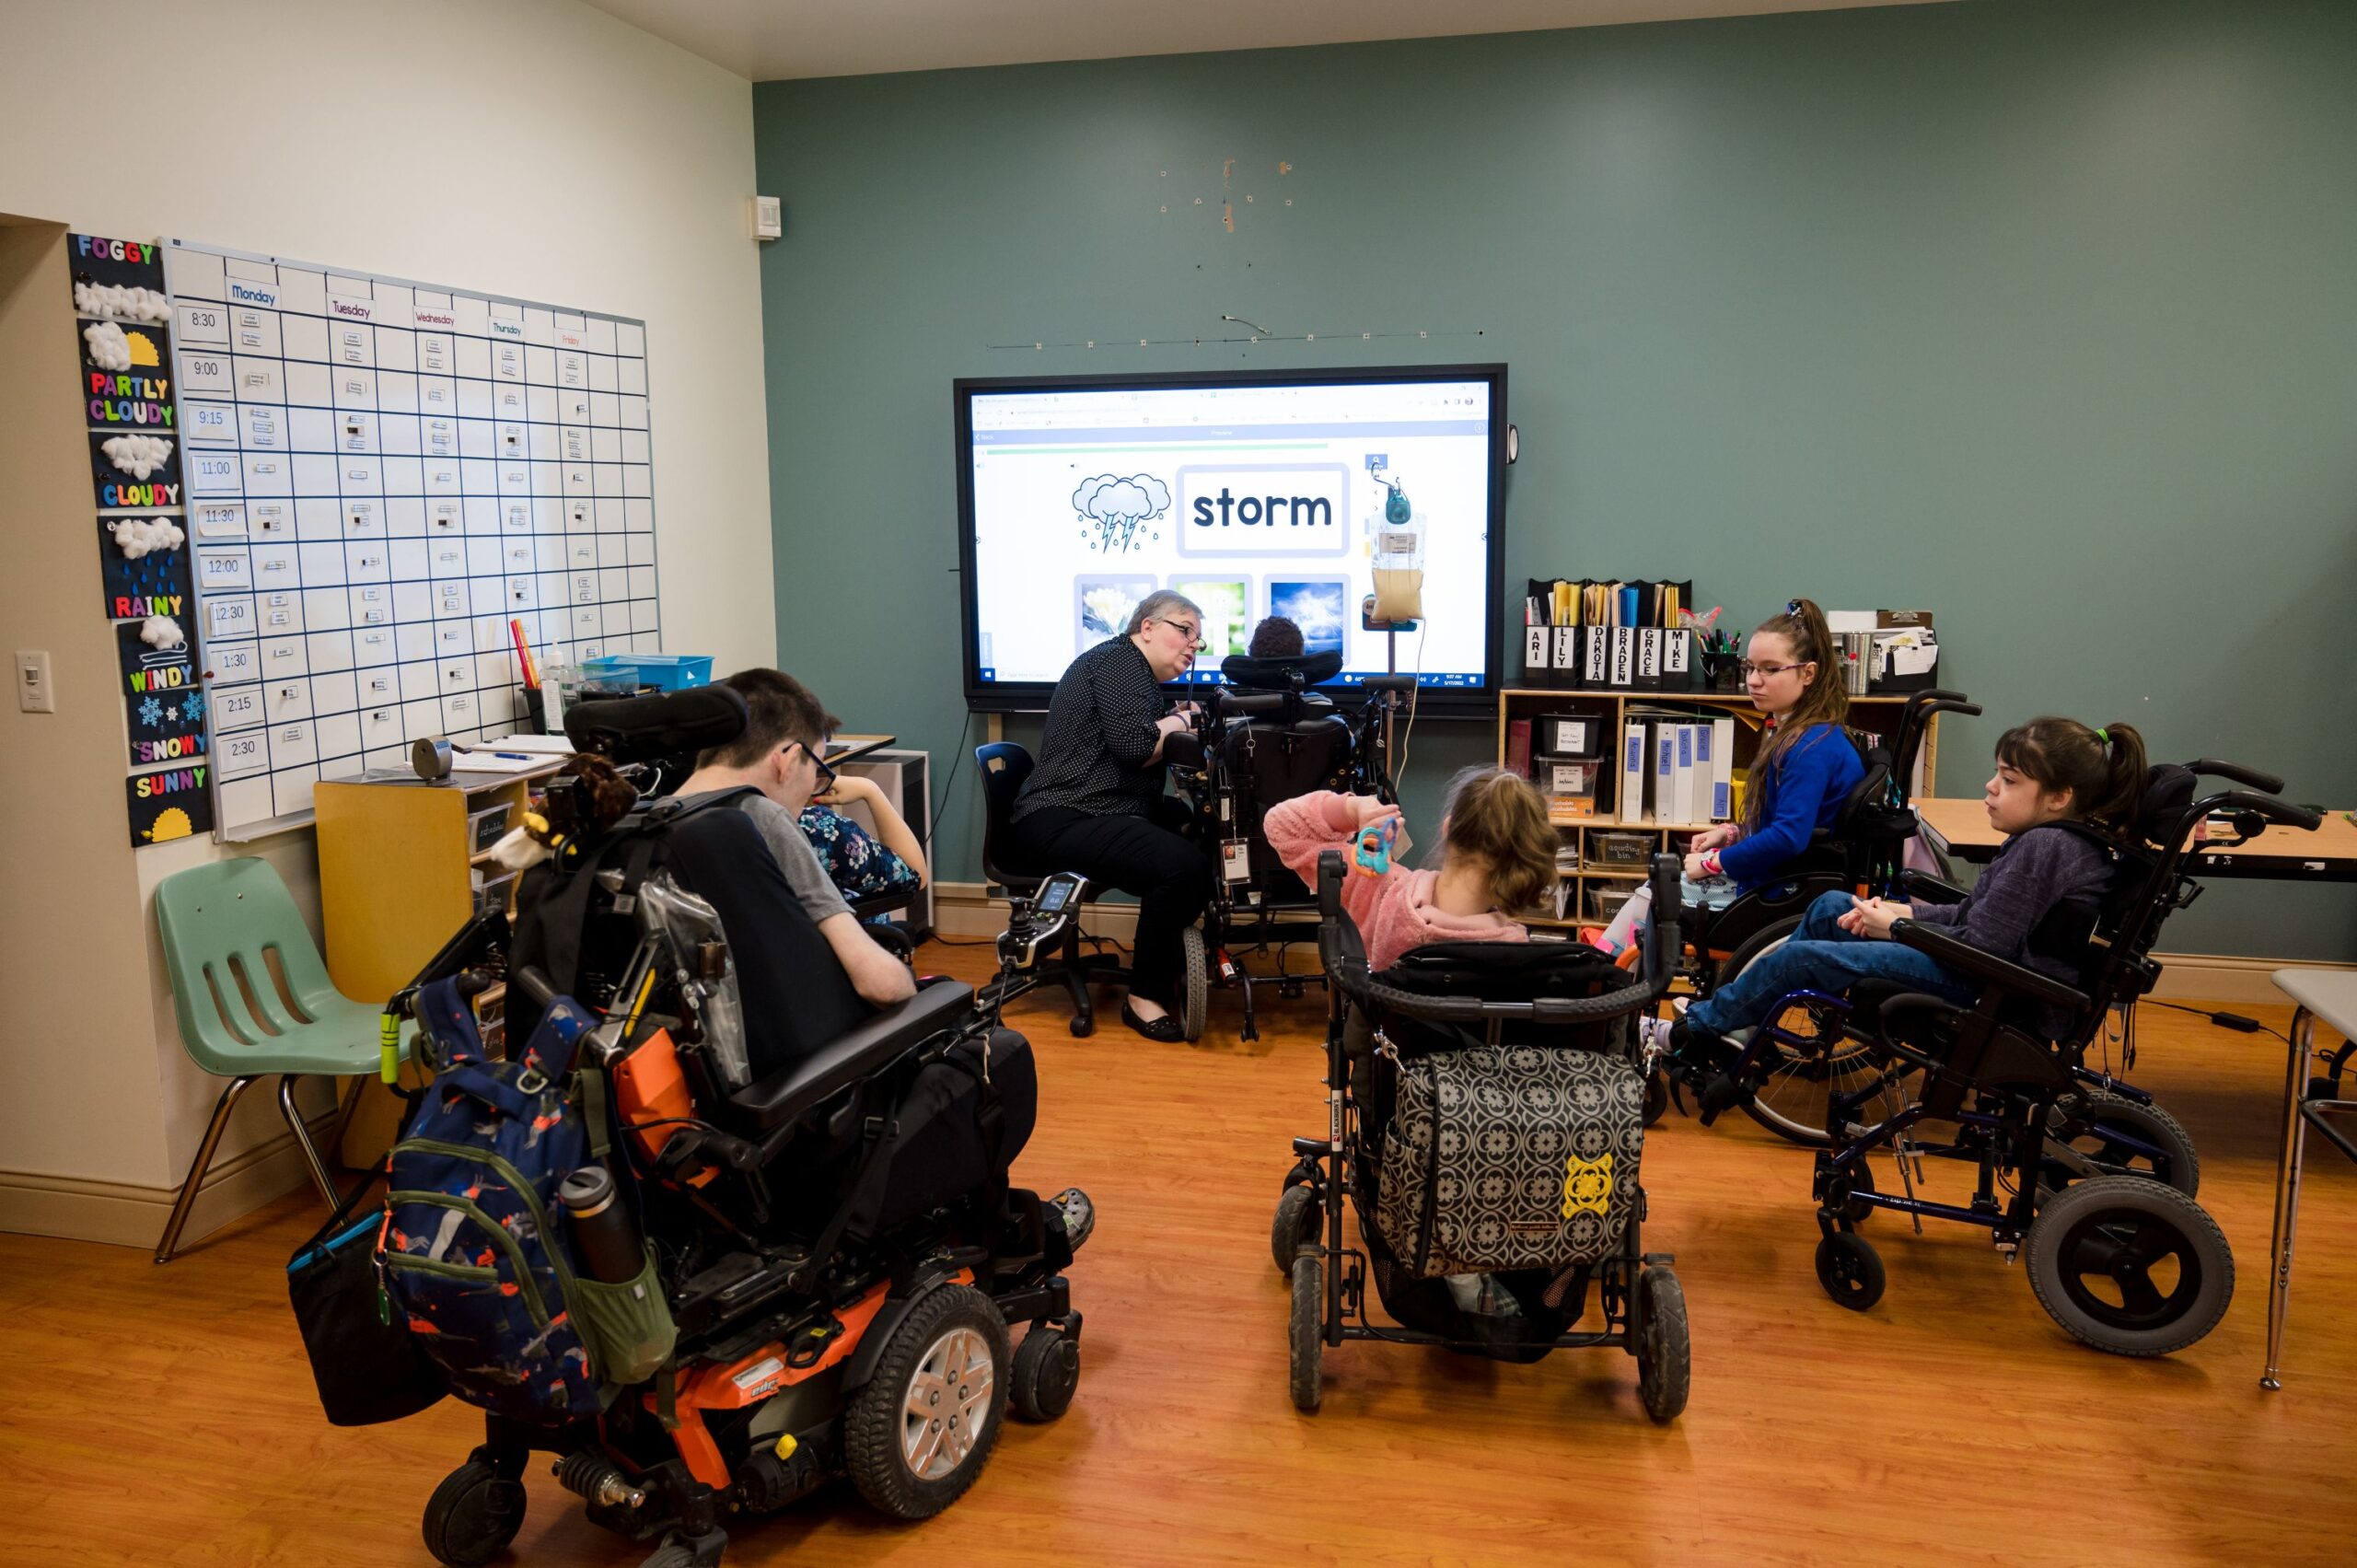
[791, 849]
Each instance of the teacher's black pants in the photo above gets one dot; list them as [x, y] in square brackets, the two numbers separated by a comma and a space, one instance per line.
[1144, 856]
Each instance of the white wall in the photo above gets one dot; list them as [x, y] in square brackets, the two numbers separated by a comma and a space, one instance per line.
[534, 148]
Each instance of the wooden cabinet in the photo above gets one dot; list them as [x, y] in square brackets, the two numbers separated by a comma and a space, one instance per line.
[401, 869]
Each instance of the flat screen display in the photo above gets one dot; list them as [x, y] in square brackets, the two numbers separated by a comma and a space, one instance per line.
[1253, 496]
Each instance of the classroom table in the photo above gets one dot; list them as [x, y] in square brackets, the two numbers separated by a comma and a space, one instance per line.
[2331, 995]
[2326, 852]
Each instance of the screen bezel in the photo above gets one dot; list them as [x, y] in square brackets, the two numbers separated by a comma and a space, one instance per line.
[1031, 696]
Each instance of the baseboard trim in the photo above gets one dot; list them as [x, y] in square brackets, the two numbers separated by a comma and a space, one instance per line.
[130, 1215]
[967, 909]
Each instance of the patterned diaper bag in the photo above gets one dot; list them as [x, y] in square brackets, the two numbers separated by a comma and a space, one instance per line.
[1510, 1157]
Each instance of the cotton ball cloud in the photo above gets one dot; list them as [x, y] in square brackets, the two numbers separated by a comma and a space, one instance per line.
[137, 456]
[110, 349]
[162, 632]
[133, 304]
[136, 537]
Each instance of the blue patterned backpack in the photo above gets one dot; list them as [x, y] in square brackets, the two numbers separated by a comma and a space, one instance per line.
[472, 1252]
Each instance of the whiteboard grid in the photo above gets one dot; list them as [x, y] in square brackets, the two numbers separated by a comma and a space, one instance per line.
[380, 475]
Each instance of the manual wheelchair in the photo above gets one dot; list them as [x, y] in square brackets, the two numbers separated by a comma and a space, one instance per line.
[1484, 1116]
[822, 1187]
[2083, 1176]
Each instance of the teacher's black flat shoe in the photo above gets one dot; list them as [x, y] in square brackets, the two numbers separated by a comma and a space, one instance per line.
[1164, 1028]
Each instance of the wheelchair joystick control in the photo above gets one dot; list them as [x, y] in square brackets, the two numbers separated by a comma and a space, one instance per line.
[605, 1234]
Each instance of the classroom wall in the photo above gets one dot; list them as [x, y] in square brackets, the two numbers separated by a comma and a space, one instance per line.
[2036, 315]
[535, 148]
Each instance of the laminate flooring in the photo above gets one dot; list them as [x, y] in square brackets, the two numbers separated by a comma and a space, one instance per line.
[164, 1416]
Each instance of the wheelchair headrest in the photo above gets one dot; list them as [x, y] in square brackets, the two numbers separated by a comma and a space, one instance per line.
[639, 730]
[1280, 674]
[2168, 795]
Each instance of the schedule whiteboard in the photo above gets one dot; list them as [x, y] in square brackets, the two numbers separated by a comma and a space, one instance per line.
[382, 474]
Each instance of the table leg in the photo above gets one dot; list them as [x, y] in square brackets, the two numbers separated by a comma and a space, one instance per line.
[2287, 1190]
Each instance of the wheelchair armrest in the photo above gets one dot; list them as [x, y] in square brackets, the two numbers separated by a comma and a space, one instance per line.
[894, 939]
[1184, 749]
[1914, 885]
[1958, 954]
[786, 1097]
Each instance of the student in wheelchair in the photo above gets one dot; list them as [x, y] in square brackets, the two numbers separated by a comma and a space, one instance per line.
[2062, 794]
[833, 1254]
[1265, 737]
[1987, 1022]
[1484, 1115]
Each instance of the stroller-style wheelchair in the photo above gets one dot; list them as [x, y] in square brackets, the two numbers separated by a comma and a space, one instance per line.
[1862, 853]
[1264, 738]
[2098, 1181]
[834, 1249]
[1483, 1117]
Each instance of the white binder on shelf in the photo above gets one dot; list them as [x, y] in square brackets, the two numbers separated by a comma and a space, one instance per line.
[1665, 769]
[1682, 776]
[1635, 764]
[1721, 770]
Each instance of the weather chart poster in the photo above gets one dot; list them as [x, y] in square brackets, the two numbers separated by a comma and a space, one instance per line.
[161, 693]
[124, 386]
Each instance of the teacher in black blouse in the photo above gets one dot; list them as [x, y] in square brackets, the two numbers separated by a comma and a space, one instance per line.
[1094, 802]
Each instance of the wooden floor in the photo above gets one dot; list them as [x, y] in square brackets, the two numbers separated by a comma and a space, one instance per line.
[164, 1416]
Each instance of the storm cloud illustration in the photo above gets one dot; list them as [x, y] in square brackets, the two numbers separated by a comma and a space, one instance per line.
[1116, 507]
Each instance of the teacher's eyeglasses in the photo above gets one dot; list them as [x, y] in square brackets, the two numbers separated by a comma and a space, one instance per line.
[1194, 634]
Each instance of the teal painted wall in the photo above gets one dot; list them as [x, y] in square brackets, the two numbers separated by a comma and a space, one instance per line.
[2041, 315]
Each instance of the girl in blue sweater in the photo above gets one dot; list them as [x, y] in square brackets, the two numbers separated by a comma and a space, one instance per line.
[1806, 766]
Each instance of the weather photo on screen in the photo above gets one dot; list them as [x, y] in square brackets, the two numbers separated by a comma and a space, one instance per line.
[1315, 607]
[1103, 607]
[1227, 606]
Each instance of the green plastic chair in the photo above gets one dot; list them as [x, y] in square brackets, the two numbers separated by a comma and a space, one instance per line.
[219, 923]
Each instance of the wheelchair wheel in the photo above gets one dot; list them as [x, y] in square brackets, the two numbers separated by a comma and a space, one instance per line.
[1046, 1373]
[1299, 1218]
[1665, 1352]
[2130, 1266]
[921, 1428]
[472, 1515]
[1850, 1269]
[2098, 1134]
[1794, 1094]
[1308, 1328]
[1195, 1005]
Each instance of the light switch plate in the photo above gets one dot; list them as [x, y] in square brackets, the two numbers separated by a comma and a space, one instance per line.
[35, 694]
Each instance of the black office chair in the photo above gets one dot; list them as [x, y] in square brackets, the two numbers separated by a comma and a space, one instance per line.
[1003, 766]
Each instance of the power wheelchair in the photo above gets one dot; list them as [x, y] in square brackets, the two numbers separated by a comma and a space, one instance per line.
[843, 1264]
[2083, 1173]
[1484, 1116]
[1862, 853]
[1263, 738]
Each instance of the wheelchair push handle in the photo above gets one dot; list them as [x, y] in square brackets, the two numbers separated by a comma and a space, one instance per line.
[2280, 812]
[1237, 703]
[2250, 778]
[1398, 685]
[534, 985]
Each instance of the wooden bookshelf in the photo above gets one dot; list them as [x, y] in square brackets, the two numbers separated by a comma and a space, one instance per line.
[1877, 714]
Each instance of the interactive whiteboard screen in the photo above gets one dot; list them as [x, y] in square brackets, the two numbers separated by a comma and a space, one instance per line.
[1251, 495]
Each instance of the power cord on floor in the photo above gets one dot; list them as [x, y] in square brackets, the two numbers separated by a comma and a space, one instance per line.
[2223, 1019]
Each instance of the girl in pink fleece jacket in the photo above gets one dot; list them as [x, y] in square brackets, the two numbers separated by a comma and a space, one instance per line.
[1497, 856]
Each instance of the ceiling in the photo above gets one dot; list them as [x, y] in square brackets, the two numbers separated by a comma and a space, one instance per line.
[766, 40]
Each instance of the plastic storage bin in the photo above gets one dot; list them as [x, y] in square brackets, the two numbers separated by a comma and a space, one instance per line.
[665, 672]
[1619, 851]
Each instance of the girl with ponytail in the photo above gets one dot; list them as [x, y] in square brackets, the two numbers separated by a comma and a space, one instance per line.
[2059, 792]
[1806, 765]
